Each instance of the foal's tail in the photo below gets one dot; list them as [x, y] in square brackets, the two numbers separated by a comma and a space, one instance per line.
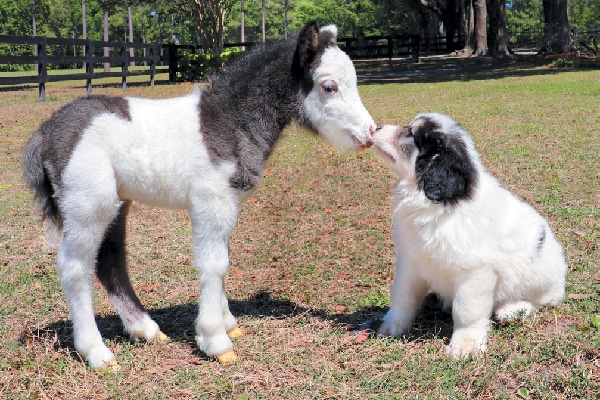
[39, 183]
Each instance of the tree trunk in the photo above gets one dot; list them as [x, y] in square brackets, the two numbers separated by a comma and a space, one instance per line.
[480, 13]
[83, 28]
[34, 26]
[556, 25]
[243, 33]
[430, 28]
[450, 18]
[106, 51]
[499, 36]
[210, 18]
[131, 49]
[264, 33]
[468, 26]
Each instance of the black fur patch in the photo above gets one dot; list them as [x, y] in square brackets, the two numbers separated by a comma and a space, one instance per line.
[244, 112]
[539, 243]
[49, 149]
[443, 168]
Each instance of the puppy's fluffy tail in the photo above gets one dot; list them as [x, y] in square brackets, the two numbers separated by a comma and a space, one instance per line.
[39, 183]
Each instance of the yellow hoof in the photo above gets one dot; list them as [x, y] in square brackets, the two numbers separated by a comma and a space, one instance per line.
[110, 367]
[235, 333]
[227, 358]
[162, 337]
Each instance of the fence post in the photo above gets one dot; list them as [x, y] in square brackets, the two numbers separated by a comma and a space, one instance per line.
[124, 66]
[89, 66]
[390, 47]
[42, 68]
[155, 56]
[415, 49]
[173, 61]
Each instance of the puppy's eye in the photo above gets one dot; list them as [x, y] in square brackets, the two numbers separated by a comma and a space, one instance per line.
[410, 132]
[328, 86]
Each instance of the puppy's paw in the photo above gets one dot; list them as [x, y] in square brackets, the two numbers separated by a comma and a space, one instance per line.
[380, 327]
[463, 345]
[395, 323]
[514, 311]
[392, 328]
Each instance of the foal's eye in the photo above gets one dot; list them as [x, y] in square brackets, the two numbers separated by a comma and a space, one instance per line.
[328, 86]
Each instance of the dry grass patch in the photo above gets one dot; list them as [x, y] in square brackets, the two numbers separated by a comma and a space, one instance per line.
[312, 259]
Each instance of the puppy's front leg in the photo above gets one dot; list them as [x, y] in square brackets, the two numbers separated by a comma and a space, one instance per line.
[471, 311]
[406, 296]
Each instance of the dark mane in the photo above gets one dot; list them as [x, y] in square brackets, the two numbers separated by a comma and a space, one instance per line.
[245, 110]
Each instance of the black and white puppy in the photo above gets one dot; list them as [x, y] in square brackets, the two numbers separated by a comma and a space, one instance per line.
[460, 234]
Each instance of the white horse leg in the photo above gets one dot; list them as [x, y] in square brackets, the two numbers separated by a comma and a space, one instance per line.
[211, 229]
[111, 269]
[75, 261]
[230, 322]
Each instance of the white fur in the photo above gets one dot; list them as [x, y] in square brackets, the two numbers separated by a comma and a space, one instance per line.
[476, 254]
[342, 111]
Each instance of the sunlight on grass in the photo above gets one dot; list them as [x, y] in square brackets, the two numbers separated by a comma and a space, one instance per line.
[312, 258]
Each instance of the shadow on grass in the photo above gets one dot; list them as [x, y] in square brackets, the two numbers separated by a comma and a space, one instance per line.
[177, 322]
[447, 68]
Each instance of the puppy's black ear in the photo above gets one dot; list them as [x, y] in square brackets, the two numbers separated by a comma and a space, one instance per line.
[444, 170]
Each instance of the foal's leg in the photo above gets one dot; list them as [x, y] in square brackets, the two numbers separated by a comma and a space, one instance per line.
[111, 269]
[86, 219]
[212, 224]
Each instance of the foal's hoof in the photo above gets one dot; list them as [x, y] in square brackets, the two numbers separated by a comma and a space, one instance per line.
[110, 367]
[161, 337]
[235, 333]
[227, 358]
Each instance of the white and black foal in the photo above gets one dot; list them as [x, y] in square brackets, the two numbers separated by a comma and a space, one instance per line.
[203, 152]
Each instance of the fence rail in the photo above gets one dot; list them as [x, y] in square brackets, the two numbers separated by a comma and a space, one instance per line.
[41, 56]
[42, 52]
[381, 46]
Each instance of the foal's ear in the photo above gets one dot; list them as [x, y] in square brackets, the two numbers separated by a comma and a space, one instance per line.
[306, 48]
[445, 172]
[328, 35]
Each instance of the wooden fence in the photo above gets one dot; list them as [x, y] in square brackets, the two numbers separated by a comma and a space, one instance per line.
[356, 48]
[381, 46]
[41, 53]
[45, 53]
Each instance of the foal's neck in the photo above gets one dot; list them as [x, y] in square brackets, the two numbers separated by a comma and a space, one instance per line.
[245, 111]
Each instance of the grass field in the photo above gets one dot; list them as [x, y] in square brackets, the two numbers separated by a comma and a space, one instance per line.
[312, 258]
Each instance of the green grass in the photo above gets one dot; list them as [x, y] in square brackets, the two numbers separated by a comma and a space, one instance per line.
[312, 258]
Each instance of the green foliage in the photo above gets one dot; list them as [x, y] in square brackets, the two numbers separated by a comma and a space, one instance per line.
[198, 66]
[584, 13]
[524, 20]
[562, 62]
[15, 17]
[362, 17]
[162, 21]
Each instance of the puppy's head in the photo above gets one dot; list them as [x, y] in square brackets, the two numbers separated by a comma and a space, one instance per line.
[434, 152]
